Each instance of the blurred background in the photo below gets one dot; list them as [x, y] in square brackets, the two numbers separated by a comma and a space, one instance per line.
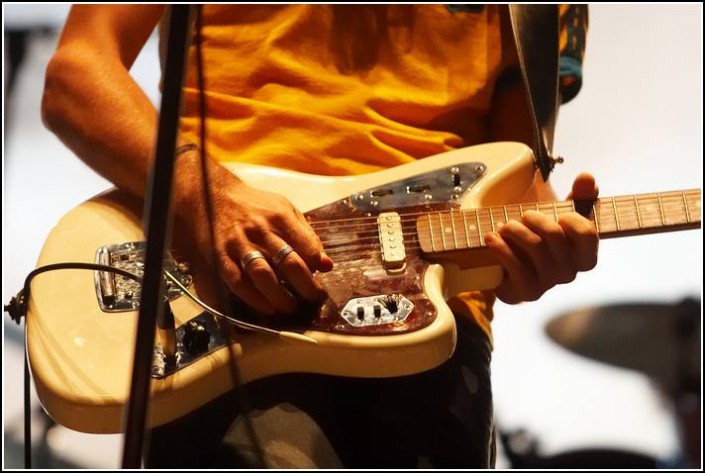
[637, 125]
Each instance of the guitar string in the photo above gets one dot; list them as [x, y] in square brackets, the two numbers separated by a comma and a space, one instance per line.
[339, 254]
[548, 207]
[674, 196]
[634, 221]
[645, 213]
[410, 233]
[669, 208]
[410, 224]
[410, 230]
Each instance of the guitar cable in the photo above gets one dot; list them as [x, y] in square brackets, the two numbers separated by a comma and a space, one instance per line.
[17, 309]
[240, 390]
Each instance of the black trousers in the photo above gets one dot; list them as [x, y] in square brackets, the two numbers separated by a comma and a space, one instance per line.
[442, 418]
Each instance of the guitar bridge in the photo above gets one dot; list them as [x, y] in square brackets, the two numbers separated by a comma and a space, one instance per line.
[116, 293]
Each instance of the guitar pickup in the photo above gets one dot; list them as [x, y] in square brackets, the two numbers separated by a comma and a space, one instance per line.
[391, 238]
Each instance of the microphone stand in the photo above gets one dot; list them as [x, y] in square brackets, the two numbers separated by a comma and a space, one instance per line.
[158, 218]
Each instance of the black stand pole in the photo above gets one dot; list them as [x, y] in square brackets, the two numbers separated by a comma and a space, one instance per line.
[157, 217]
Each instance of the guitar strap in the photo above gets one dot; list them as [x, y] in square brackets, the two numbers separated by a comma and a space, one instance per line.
[536, 34]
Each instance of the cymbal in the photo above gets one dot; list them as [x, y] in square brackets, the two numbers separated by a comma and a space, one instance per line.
[660, 340]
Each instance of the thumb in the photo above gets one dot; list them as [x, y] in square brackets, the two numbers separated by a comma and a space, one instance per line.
[584, 187]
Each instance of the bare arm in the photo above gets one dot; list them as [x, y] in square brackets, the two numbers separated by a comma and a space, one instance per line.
[95, 107]
[90, 100]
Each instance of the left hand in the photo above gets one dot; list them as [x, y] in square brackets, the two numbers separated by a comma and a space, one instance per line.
[537, 252]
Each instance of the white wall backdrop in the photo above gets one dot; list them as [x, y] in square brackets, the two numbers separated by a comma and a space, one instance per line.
[637, 125]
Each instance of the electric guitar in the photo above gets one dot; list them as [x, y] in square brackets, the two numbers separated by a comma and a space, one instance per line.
[403, 240]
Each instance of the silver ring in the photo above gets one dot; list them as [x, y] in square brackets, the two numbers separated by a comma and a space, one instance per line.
[249, 258]
[281, 254]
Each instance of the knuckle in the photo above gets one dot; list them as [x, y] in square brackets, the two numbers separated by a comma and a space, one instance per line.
[533, 217]
[508, 298]
[257, 227]
[512, 226]
[586, 230]
[554, 231]
[533, 294]
[535, 287]
[280, 220]
[310, 251]
[589, 263]
[566, 277]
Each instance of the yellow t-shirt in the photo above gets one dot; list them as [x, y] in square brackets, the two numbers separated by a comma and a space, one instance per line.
[336, 89]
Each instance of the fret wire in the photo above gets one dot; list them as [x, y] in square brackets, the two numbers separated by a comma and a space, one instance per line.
[660, 206]
[443, 232]
[648, 216]
[685, 203]
[595, 216]
[479, 232]
[430, 227]
[465, 224]
[616, 217]
[670, 202]
[452, 226]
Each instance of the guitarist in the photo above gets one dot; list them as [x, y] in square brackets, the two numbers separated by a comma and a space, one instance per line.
[333, 90]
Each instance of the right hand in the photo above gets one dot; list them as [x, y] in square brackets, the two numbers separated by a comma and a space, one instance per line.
[247, 219]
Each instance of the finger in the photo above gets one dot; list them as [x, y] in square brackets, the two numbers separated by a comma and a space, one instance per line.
[292, 269]
[262, 277]
[242, 287]
[518, 235]
[584, 187]
[267, 283]
[518, 275]
[299, 234]
[326, 263]
[562, 268]
[582, 235]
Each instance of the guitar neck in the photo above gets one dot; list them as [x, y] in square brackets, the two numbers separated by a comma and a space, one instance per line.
[613, 217]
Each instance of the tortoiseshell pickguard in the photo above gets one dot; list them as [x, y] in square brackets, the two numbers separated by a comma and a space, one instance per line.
[351, 239]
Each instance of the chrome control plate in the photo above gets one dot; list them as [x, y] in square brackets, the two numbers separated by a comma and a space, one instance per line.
[119, 294]
[376, 310]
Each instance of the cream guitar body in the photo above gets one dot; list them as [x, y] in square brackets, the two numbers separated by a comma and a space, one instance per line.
[386, 316]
